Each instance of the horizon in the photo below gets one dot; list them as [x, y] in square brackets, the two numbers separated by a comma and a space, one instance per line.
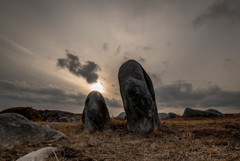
[54, 53]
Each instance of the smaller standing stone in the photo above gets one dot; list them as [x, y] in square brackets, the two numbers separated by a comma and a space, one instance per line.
[95, 112]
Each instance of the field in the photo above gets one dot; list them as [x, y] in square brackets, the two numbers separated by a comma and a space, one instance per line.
[178, 139]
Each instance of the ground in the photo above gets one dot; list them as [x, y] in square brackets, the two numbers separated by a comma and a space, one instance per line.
[178, 139]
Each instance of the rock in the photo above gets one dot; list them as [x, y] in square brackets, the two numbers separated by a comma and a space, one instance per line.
[216, 112]
[59, 116]
[122, 115]
[16, 129]
[64, 119]
[162, 116]
[170, 115]
[138, 98]
[95, 113]
[39, 155]
[28, 112]
[198, 113]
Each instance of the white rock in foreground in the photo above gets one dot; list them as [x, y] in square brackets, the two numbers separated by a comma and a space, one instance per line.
[39, 155]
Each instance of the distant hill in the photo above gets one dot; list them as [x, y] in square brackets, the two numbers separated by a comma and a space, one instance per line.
[44, 115]
[28, 112]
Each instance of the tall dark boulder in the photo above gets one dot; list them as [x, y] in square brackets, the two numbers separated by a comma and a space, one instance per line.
[138, 98]
[95, 112]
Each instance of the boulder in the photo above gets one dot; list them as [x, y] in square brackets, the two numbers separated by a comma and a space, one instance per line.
[170, 115]
[215, 112]
[39, 155]
[198, 113]
[138, 98]
[122, 115]
[16, 129]
[162, 116]
[64, 119]
[95, 112]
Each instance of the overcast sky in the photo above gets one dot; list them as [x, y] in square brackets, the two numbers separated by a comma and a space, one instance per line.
[51, 52]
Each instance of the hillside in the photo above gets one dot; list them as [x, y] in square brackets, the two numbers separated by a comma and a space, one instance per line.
[44, 115]
[178, 139]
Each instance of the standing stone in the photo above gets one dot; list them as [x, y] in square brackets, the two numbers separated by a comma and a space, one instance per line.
[95, 112]
[138, 98]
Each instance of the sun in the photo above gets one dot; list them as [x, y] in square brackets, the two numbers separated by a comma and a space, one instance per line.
[97, 87]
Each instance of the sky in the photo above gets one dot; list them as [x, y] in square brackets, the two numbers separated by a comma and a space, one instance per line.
[52, 52]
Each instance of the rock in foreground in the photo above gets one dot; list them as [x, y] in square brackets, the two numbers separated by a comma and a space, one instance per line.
[39, 155]
[16, 129]
[95, 113]
[198, 113]
[138, 98]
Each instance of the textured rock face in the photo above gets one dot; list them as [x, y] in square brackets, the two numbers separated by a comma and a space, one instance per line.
[170, 115]
[95, 113]
[16, 129]
[39, 155]
[138, 98]
[122, 115]
[198, 113]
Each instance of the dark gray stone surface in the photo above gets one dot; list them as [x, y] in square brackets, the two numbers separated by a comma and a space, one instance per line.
[122, 115]
[138, 98]
[16, 129]
[170, 115]
[198, 113]
[95, 112]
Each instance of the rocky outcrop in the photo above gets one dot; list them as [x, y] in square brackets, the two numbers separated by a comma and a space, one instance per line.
[198, 113]
[138, 98]
[170, 115]
[59, 116]
[16, 129]
[28, 112]
[95, 113]
[122, 115]
[39, 155]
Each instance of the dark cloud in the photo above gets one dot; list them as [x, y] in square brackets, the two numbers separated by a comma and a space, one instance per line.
[145, 48]
[24, 92]
[105, 46]
[142, 60]
[87, 71]
[229, 9]
[118, 50]
[182, 94]
[228, 60]
[113, 103]
[156, 78]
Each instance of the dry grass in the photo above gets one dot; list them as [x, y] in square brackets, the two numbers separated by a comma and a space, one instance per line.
[178, 139]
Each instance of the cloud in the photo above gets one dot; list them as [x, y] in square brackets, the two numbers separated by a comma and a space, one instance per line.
[118, 50]
[113, 102]
[155, 78]
[228, 60]
[24, 92]
[105, 46]
[87, 71]
[142, 60]
[182, 94]
[229, 9]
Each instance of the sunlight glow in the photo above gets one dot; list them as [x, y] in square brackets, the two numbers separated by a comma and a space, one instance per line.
[97, 87]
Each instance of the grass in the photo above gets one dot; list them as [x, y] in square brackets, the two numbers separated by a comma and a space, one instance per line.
[178, 139]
